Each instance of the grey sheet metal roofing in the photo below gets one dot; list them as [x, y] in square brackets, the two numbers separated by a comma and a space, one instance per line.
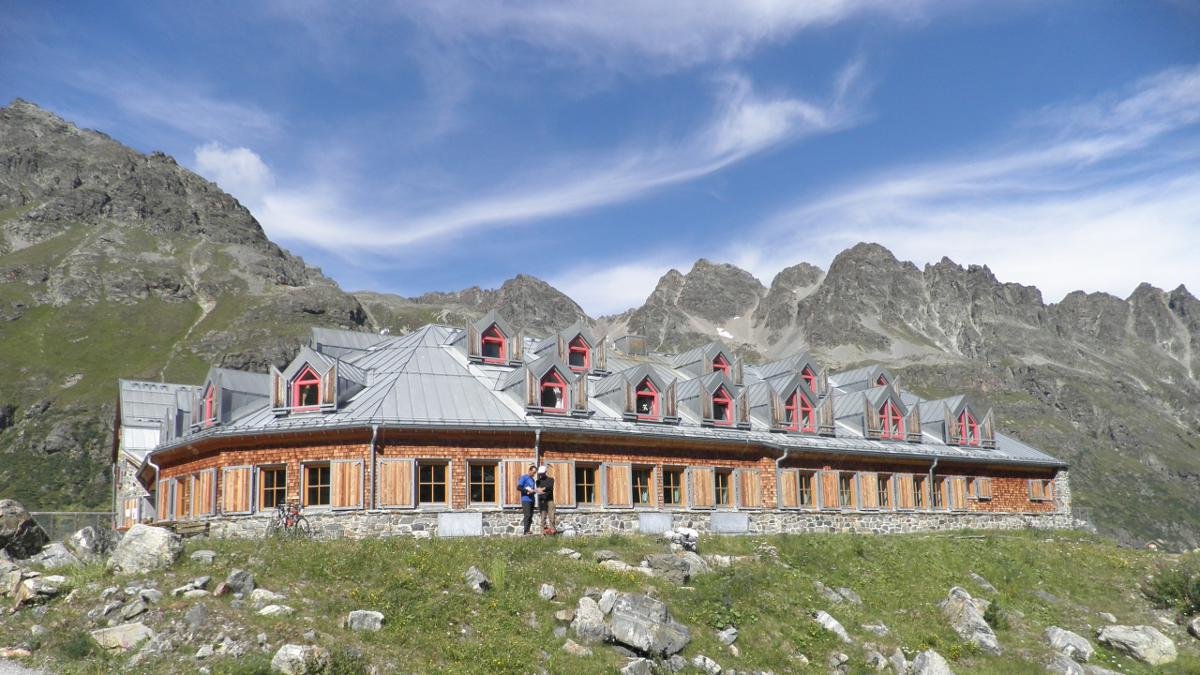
[144, 404]
[424, 380]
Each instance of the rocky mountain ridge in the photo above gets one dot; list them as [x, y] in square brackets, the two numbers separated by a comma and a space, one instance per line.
[118, 264]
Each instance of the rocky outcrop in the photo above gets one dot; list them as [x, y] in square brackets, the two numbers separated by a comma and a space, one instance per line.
[293, 659]
[145, 548]
[967, 620]
[1144, 643]
[20, 535]
[929, 662]
[90, 544]
[1070, 644]
[644, 624]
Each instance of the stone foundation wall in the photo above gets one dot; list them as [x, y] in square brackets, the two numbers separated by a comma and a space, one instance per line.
[426, 523]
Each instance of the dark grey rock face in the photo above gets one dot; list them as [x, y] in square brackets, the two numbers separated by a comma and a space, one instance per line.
[20, 535]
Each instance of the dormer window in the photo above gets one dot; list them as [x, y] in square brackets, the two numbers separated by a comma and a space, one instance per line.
[882, 381]
[554, 393]
[579, 355]
[722, 406]
[891, 422]
[492, 345]
[968, 429]
[210, 408]
[646, 405]
[721, 364]
[810, 378]
[306, 390]
[798, 413]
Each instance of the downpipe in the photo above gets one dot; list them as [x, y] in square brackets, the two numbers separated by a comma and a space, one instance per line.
[374, 482]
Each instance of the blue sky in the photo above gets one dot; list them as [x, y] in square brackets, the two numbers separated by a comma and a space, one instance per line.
[417, 146]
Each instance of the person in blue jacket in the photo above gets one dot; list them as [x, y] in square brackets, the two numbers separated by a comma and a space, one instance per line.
[527, 486]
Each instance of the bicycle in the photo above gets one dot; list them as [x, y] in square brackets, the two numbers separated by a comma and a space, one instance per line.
[288, 522]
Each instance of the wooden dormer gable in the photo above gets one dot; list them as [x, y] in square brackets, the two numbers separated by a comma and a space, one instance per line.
[660, 396]
[793, 407]
[701, 361]
[548, 387]
[875, 402]
[291, 388]
[801, 364]
[492, 340]
[578, 334]
[964, 426]
[718, 393]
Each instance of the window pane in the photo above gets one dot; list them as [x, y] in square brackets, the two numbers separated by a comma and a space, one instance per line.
[585, 485]
[641, 486]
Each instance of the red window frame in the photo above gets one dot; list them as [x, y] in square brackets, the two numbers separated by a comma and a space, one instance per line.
[968, 429]
[720, 396]
[810, 378]
[579, 346]
[493, 335]
[891, 422]
[800, 411]
[646, 389]
[209, 413]
[881, 382]
[307, 378]
[722, 364]
[552, 380]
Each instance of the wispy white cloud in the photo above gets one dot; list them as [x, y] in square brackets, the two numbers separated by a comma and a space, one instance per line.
[1095, 195]
[239, 171]
[744, 124]
[613, 288]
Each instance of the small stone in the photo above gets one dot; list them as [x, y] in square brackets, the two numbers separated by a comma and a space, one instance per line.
[364, 620]
[575, 649]
[1110, 618]
[1046, 597]
[240, 581]
[728, 636]
[293, 659]
[569, 553]
[261, 597]
[560, 632]
[837, 659]
[565, 615]
[204, 652]
[222, 589]
[1070, 644]
[1061, 664]
[588, 623]
[123, 637]
[876, 660]
[196, 616]
[547, 592]
[1144, 643]
[1194, 627]
[899, 663]
[638, 666]
[734, 651]
[133, 609]
[675, 664]
[930, 662]
[604, 554]
[196, 593]
[275, 610]
[38, 631]
[150, 595]
[850, 595]
[706, 664]
[204, 557]
[607, 598]
[477, 580]
[877, 629]
[828, 593]
[14, 653]
[832, 625]
[983, 583]
[261, 638]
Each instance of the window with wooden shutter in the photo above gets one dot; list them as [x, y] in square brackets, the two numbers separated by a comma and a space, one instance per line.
[749, 482]
[183, 497]
[347, 479]
[920, 494]
[869, 491]
[958, 493]
[204, 493]
[984, 488]
[674, 488]
[1040, 490]
[396, 484]
[789, 489]
[235, 490]
[513, 470]
[618, 485]
[164, 501]
[701, 494]
[904, 492]
[829, 490]
[563, 474]
[884, 494]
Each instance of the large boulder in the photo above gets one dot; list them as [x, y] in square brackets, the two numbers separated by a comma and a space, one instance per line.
[124, 637]
[54, 556]
[1144, 643]
[643, 623]
[90, 544]
[20, 535]
[364, 620]
[588, 622]
[966, 619]
[1194, 627]
[300, 660]
[240, 581]
[145, 548]
[670, 567]
[930, 662]
[1071, 644]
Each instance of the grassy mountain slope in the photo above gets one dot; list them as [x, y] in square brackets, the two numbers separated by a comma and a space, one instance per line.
[434, 623]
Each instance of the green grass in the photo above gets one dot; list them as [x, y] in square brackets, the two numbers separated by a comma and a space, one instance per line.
[435, 624]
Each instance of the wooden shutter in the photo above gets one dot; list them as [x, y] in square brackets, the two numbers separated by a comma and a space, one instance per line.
[563, 474]
[951, 427]
[825, 415]
[702, 492]
[181, 489]
[1035, 489]
[204, 493]
[329, 389]
[749, 483]
[631, 396]
[474, 342]
[983, 488]
[346, 491]
[560, 344]
[872, 425]
[600, 354]
[278, 390]
[516, 344]
[512, 470]
[743, 407]
[912, 425]
[235, 490]
[618, 485]
[789, 489]
[868, 496]
[987, 430]
[904, 491]
[958, 488]
[581, 395]
[533, 390]
[396, 484]
[829, 489]
[671, 401]
[164, 500]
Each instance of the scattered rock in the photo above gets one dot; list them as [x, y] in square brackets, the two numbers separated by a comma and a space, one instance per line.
[643, 623]
[547, 592]
[294, 659]
[728, 636]
[565, 615]
[196, 616]
[669, 567]
[55, 556]
[607, 598]
[364, 619]
[638, 666]
[560, 632]
[38, 631]
[150, 595]
[683, 538]
[706, 664]
[849, 595]
[604, 554]
[144, 549]
[240, 581]
[1064, 665]
[875, 660]
[204, 556]
[204, 652]
[899, 663]
[877, 629]
[275, 610]
[194, 593]
[123, 637]
[828, 593]
[570, 553]
[1046, 597]
[91, 544]
[134, 609]
[477, 580]
[1194, 627]
[838, 662]
[983, 583]
[675, 664]
[1070, 644]
[930, 662]
[35, 590]
[1107, 617]
[620, 566]
[261, 597]
[967, 620]
[575, 649]
[20, 535]
[832, 625]
[588, 622]
[1144, 643]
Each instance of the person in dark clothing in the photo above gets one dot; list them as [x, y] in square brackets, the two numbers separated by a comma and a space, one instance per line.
[545, 485]
[527, 486]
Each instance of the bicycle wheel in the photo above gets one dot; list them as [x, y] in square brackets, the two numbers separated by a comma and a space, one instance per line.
[273, 529]
[301, 528]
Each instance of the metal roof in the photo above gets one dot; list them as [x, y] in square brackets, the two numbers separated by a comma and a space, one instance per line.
[144, 404]
[424, 380]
